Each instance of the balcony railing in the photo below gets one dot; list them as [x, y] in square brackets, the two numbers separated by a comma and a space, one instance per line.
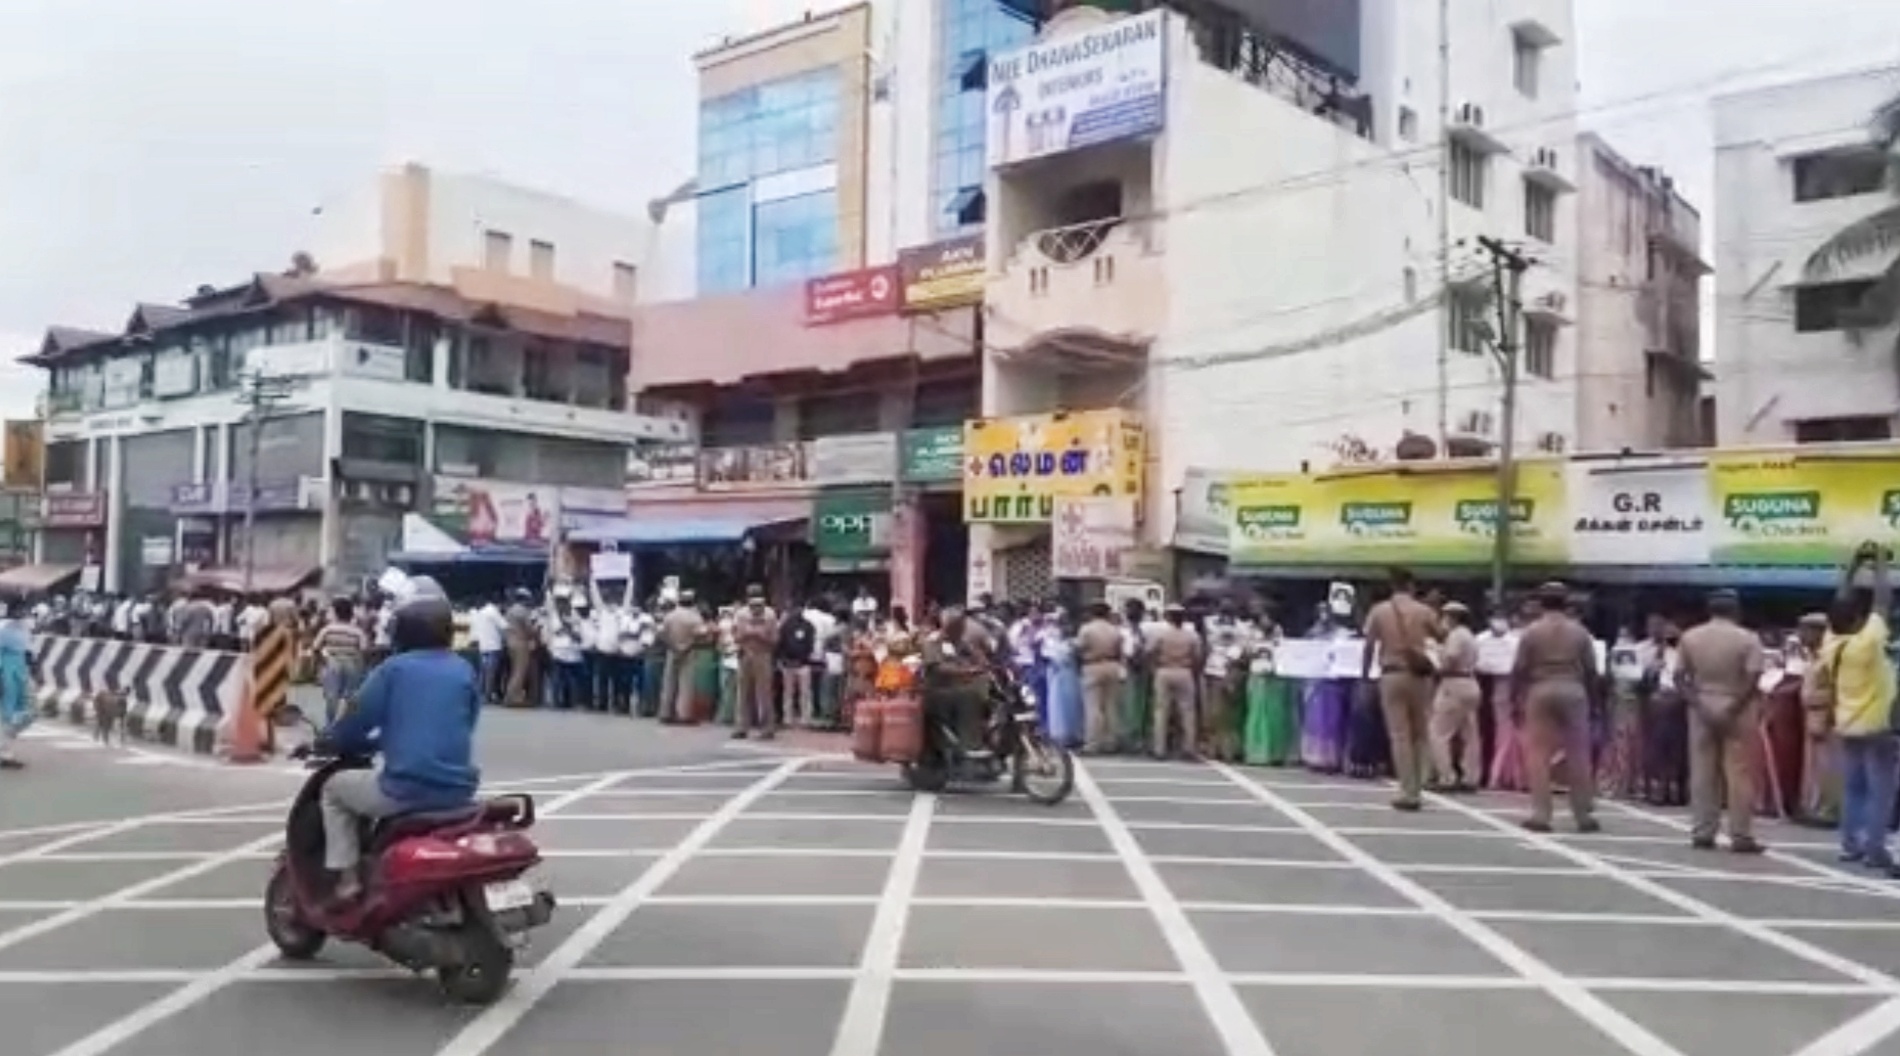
[1103, 275]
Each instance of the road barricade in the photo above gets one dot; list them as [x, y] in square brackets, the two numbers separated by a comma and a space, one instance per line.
[175, 696]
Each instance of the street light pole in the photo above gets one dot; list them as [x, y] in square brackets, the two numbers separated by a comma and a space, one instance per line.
[1507, 283]
[261, 395]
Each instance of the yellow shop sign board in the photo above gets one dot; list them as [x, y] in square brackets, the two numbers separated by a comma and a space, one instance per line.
[1014, 469]
[1798, 508]
[1441, 515]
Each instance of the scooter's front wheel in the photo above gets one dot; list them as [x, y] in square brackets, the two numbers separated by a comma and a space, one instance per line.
[293, 937]
[487, 962]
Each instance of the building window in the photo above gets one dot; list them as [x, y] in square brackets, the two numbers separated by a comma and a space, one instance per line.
[725, 241]
[1469, 321]
[1829, 306]
[1839, 174]
[1540, 211]
[1408, 124]
[795, 239]
[1842, 430]
[1527, 60]
[790, 123]
[498, 250]
[626, 279]
[1469, 172]
[969, 33]
[541, 260]
[1540, 348]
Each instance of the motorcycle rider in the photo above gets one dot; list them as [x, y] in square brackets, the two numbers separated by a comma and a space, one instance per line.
[956, 663]
[419, 710]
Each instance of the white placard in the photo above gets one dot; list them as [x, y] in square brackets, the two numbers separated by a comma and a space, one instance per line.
[609, 565]
[1305, 658]
[1075, 90]
[1346, 657]
[1639, 512]
[1497, 655]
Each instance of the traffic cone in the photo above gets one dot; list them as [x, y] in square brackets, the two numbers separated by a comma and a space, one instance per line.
[247, 727]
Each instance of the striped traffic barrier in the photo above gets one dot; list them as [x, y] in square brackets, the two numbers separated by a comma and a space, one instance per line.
[175, 696]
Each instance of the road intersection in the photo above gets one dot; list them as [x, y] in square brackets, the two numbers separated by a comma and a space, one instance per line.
[715, 901]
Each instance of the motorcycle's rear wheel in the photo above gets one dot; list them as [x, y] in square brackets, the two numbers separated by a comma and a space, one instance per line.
[294, 938]
[487, 962]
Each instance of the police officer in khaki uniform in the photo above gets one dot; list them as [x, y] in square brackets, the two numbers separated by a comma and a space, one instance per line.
[1400, 630]
[1174, 652]
[1455, 708]
[755, 634]
[1720, 678]
[1099, 645]
[680, 632]
[1555, 674]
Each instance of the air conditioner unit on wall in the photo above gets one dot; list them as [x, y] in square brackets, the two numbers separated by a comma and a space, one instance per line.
[1554, 301]
[1470, 114]
[1554, 443]
[1476, 423]
[1544, 158]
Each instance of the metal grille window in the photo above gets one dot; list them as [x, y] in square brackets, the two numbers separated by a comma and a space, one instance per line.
[1829, 306]
[1470, 171]
[1469, 326]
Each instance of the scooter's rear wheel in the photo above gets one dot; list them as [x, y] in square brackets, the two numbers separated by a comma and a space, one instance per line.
[288, 931]
[487, 962]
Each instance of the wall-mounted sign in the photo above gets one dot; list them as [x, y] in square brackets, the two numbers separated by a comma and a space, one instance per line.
[1075, 91]
[174, 374]
[1091, 537]
[1648, 511]
[947, 274]
[377, 362]
[865, 458]
[859, 294]
[933, 454]
[74, 510]
[851, 529]
[485, 511]
[1015, 468]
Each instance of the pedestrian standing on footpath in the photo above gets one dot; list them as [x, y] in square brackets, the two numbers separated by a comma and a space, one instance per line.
[524, 683]
[1173, 653]
[1455, 708]
[1863, 690]
[1555, 674]
[1719, 675]
[797, 648]
[1099, 645]
[1399, 631]
[341, 649]
[488, 629]
[755, 636]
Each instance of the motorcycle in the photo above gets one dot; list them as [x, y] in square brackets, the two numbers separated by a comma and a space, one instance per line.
[444, 891]
[1038, 768]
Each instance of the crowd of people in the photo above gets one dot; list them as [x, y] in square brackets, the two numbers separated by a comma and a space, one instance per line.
[1727, 720]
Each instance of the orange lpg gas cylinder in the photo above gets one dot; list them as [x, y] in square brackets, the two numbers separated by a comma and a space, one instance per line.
[867, 730]
[903, 734]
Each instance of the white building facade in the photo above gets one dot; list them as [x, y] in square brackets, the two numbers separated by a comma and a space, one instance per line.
[1267, 267]
[1792, 168]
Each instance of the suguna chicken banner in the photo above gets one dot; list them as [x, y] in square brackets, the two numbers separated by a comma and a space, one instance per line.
[1797, 508]
[1016, 468]
[1422, 515]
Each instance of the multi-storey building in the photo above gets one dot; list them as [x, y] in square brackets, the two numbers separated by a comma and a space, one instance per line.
[1793, 166]
[1255, 226]
[1639, 306]
[411, 410]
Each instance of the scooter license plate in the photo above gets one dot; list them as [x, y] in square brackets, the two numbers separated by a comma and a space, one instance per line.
[513, 894]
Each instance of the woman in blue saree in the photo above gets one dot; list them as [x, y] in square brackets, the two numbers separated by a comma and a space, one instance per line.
[16, 689]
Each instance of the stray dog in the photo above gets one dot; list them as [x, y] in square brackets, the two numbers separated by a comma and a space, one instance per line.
[108, 715]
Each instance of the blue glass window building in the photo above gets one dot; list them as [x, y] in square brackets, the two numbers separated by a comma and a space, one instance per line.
[968, 33]
[752, 234]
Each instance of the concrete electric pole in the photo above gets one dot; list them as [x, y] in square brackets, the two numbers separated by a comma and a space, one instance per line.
[1507, 283]
[261, 395]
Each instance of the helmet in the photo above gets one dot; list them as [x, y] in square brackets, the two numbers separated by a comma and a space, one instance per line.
[425, 620]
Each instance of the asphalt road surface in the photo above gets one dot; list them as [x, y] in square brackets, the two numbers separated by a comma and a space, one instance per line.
[738, 903]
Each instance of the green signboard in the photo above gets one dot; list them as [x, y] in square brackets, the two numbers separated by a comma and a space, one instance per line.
[933, 455]
[852, 526]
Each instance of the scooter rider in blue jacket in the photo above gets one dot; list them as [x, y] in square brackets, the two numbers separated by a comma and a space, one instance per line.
[419, 709]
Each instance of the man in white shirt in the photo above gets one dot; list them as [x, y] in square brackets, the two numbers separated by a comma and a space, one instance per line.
[485, 626]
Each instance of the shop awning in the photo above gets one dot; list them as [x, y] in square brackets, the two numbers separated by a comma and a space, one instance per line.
[35, 579]
[273, 579]
[651, 530]
[1740, 577]
[479, 555]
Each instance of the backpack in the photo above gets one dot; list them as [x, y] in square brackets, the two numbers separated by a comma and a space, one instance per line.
[796, 638]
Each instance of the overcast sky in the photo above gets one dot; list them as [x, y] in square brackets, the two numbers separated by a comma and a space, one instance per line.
[147, 147]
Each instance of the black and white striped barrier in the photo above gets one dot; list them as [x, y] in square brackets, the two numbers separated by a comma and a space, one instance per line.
[175, 696]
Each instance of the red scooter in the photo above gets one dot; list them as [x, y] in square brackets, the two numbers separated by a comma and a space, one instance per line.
[444, 891]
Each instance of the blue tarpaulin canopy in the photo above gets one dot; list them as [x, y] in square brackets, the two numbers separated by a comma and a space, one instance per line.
[670, 531]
